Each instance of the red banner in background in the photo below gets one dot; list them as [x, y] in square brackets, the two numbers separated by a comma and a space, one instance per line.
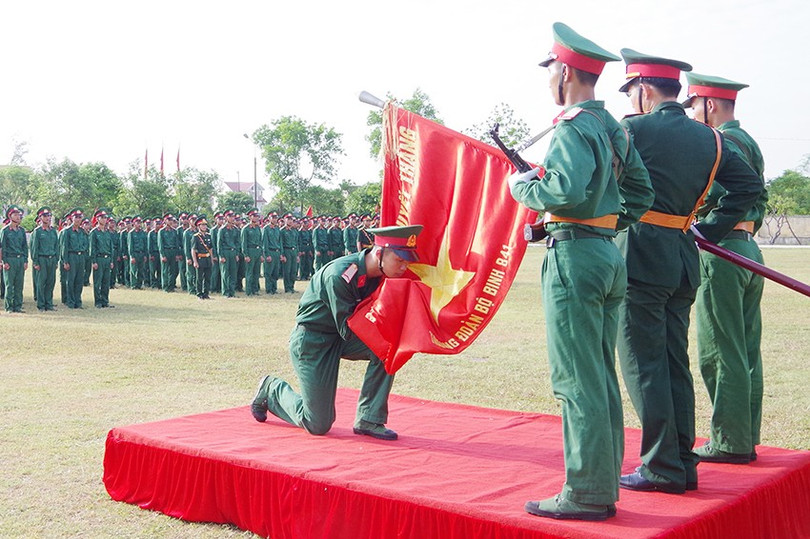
[469, 251]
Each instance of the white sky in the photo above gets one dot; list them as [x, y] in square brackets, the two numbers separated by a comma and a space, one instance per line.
[105, 80]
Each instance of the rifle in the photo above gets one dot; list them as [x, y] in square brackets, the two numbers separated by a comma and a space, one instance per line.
[532, 232]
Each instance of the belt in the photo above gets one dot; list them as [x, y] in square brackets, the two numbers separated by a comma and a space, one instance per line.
[739, 235]
[47, 256]
[667, 220]
[76, 252]
[254, 246]
[572, 234]
[14, 256]
[606, 221]
[273, 250]
[102, 256]
[747, 226]
[203, 255]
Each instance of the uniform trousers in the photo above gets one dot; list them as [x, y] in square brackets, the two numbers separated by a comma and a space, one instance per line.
[14, 278]
[584, 281]
[102, 276]
[74, 280]
[729, 332]
[46, 280]
[316, 359]
[272, 271]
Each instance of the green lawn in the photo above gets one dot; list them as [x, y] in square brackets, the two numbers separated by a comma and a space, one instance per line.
[70, 376]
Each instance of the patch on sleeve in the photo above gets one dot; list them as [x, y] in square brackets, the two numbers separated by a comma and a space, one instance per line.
[361, 281]
[349, 274]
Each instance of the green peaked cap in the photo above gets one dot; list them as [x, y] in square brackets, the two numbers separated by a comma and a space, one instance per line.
[711, 86]
[400, 239]
[646, 65]
[578, 52]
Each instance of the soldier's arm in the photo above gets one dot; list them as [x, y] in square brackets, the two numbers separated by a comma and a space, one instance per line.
[341, 301]
[635, 189]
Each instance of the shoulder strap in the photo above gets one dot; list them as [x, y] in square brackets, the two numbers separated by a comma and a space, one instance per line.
[618, 162]
[719, 144]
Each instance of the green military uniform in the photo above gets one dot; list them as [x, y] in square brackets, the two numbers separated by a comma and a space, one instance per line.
[228, 250]
[88, 264]
[289, 245]
[181, 263]
[583, 276]
[190, 270]
[584, 279]
[664, 273]
[320, 244]
[271, 249]
[729, 321]
[153, 248]
[240, 261]
[335, 241]
[45, 254]
[305, 252]
[101, 255]
[14, 254]
[169, 249]
[203, 250]
[320, 339]
[74, 247]
[251, 243]
[123, 269]
[137, 251]
[350, 238]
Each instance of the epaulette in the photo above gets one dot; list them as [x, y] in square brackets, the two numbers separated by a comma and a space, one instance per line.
[570, 114]
[632, 115]
[349, 273]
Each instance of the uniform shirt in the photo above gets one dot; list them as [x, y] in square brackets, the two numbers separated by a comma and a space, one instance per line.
[251, 239]
[289, 238]
[350, 239]
[188, 240]
[679, 154]
[100, 243]
[305, 240]
[44, 243]
[580, 182]
[228, 240]
[13, 242]
[320, 239]
[203, 244]
[336, 239]
[74, 241]
[271, 240]
[152, 242]
[334, 293]
[136, 243]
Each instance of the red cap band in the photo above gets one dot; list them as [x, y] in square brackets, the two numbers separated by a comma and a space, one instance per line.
[712, 91]
[408, 243]
[653, 70]
[579, 61]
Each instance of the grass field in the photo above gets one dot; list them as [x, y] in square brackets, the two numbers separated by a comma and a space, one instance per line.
[68, 377]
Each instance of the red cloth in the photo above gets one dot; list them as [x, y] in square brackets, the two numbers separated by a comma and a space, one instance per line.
[473, 230]
[456, 472]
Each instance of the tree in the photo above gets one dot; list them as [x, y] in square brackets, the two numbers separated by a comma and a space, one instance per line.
[365, 199]
[512, 130]
[147, 197]
[296, 154]
[789, 194]
[419, 103]
[195, 190]
[18, 185]
[236, 201]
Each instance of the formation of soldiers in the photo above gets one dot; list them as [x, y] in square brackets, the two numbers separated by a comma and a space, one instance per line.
[233, 253]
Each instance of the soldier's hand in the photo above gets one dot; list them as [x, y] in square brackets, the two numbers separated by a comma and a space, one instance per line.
[65, 265]
[25, 266]
[163, 259]
[95, 265]
[222, 259]
[112, 265]
[197, 265]
[36, 267]
[283, 258]
[237, 258]
[261, 259]
[247, 259]
[133, 260]
[522, 177]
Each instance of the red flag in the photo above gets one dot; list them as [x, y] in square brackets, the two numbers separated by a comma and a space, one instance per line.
[145, 163]
[161, 161]
[469, 251]
[309, 211]
[178, 159]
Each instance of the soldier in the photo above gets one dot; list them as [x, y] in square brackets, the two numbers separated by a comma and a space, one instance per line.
[74, 246]
[154, 252]
[169, 248]
[271, 249]
[729, 321]
[586, 199]
[251, 243]
[13, 259]
[45, 258]
[101, 255]
[320, 242]
[123, 272]
[216, 278]
[289, 258]
[188, 241]
[684, 158]
[365, 239]
[322, 337]
[305, 250]
[136, 249]
[112, 231]
[350, 235]
[228, 250]
[88, 264]
[182, 219]
[201, 255]
[336, 249]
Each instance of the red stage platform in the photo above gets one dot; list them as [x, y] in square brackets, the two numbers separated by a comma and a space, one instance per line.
[455, 472]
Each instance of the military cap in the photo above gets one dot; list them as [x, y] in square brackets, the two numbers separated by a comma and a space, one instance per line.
[183, 215]
[576, 51]
[44, 210]
[218, 215]
[710, 86]
[168, 216]
[226, 213]
[641, 65]
[12, 209]
[272, 214]
[253, 211]
[85, 221]
[400, 239]
[136, 219]
[73, 213]
[200, 220]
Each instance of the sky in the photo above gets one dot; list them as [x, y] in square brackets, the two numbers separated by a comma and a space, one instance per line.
[108, 80]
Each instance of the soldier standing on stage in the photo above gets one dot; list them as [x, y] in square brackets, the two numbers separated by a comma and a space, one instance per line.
[322, 337]
[593, 185]
[13, 259]
[729, 321]
[201, 255]
[74, 246]
[271, 248]
[289, 258]
[251, 243]
[101, 255]
[136, 249]
[684, 158]
[350, 235]
[228, 250]
[320, 242]
[45, 258]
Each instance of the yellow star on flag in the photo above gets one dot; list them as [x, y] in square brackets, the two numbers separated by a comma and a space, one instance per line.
[444, 282]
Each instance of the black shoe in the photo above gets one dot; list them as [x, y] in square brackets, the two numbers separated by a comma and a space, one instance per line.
[636, 481]
[708, 453]
[559, 508]
[259, 405]
[375, 430]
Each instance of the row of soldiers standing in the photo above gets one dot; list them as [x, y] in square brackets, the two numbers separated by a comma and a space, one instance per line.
[153, 253]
